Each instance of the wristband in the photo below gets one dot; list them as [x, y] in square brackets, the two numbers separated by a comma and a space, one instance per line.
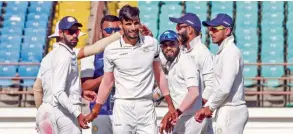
[179, 112]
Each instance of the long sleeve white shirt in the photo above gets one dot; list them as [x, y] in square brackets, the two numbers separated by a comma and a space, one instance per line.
[228, 84]
[65, 82]
[204, 61]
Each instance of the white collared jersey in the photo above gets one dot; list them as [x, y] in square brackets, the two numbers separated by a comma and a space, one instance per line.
[132, 67]
[65, 82]
[183, 73]
[228, 68]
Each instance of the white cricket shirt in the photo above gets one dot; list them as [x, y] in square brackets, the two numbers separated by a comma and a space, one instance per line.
[228, 68]
[204, 61]
[182, 75]
[132, 67]
[65, 82]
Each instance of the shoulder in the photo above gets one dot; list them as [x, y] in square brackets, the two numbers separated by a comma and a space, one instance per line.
[232, 51]
[150, 41]
[113, 45]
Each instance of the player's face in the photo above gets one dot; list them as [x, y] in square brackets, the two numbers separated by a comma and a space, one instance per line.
[170, 49]
[109, 28]
[218, 34]
[70, 36]
[182, 30]
[131, 28]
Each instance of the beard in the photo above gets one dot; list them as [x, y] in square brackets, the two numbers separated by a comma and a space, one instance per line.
[171, 58]
[183, 38]
[69, 43]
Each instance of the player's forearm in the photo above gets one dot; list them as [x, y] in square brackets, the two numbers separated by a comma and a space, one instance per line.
[97, 47]
[92, 84]
[105, 88]
[217, 99]
[38, 92]
[161, 79]
[63, 100]
[189, 99]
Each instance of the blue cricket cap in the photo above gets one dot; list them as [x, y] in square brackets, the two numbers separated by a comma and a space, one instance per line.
[168, 35]
[67, 22]
[220, 20]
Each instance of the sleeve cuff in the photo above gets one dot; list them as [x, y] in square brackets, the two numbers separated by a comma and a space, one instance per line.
[191, 82]
[76, 113]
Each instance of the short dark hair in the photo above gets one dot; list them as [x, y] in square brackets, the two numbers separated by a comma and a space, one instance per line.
[128, 12]
[110, 18]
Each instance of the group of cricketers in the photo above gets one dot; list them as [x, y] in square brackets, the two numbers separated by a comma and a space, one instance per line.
[118, 74]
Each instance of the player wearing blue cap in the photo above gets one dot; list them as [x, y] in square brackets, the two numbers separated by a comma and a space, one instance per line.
[228, 96]
[189, 30]
[183, 82]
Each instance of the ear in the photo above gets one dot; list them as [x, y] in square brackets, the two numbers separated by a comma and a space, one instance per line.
[120, 24]
[228, 31]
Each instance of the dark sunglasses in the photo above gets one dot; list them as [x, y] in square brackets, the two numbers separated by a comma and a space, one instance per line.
[71, 31]
[216, 29]
[110, 30]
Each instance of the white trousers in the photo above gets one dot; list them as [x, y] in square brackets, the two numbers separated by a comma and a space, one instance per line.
[65, 122]
[231, 119]
[102, 125]
[187, 125]
[208, 126]
[134, 117]
[44, 124]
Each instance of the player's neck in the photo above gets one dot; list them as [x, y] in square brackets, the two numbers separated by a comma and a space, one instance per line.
[191, 38]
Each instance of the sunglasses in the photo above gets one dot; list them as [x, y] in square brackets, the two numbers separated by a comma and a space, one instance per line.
[216, 29]
[110, 30]
[71, 31]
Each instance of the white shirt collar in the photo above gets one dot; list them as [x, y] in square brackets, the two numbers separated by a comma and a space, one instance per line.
[195, 42]
[227, 42]
[140, 41]
[66, 47]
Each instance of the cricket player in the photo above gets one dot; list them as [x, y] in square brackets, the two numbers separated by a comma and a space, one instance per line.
[92, 74]
[132, 63]
[189, 29]
[42, 90]
[228, 96]
[183, 80]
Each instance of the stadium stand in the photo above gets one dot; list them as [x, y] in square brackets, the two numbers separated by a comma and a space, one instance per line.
[262, 30]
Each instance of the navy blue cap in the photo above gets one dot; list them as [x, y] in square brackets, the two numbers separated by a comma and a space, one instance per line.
[168, 35]
[189, 19]
[67, 22]
[220, 20]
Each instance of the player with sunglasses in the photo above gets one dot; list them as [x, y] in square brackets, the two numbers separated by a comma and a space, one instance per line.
[183, 83]
[189, 30]
[228, 90]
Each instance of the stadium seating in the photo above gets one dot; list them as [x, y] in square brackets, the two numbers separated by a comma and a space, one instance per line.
[169, 9]
[149, 11]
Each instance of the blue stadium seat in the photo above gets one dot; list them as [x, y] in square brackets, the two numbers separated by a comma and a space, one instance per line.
[290, 60]
[8, 47]
[247, 6]
[28, 46]
[37, 17]
[28, 71]
[272, 71]
[249, 71]
[14, 17]
[13, 24]
[41, 3]
[249, 55]
[19, 4]
[246, 19]
[15, 10]
[290, 6]
[35, 24]
[273, 6]
[35, 40]
[11, 39]
[148, 3]
[172, 2]
[32, 55]
[40, 10]
[11, 31]
[214, 48]
[7, 71]
[11, 56]
[222, 7]
[197, 7]
[152, 25]
[35, 32]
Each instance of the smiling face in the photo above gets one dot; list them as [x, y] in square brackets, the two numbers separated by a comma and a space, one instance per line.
[131, 27]
[170, 49]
